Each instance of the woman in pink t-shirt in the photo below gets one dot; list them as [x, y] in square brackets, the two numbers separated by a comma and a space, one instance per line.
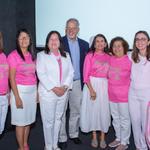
[95, 115]
[3, 86]
[24, 89]
[118, 87]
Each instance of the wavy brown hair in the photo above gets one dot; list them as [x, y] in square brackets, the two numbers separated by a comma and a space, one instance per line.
[1, 42]
[123, 42]
[135, 53]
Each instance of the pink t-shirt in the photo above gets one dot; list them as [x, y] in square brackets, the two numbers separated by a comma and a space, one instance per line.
[58, 58]
[3, 74]
[25, 70]
[119, 79]
[96, 65]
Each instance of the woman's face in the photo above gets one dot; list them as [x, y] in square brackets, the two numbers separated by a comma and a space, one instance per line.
[118, 49]
[54, 43]
[24, 40]
[100, 44]
[141, 42]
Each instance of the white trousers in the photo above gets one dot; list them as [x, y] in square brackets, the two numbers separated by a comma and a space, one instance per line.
[3, 111]
[148, 125]
[74, 98]
[121, 121]
[52, 108]
[138, 102]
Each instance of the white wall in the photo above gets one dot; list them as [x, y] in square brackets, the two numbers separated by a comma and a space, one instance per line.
[109, 17]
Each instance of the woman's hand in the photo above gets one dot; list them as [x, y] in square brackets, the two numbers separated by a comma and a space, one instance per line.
[92, 91]
[59, 91]
[19, 103]
[93, 94]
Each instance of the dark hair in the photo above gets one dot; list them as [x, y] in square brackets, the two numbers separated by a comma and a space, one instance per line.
[135, 53]
[1, 42]
[61, 47]
[30, 47]
[123, 42]
[92, 48]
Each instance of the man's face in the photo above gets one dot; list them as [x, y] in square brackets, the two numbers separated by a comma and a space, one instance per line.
[72, 30]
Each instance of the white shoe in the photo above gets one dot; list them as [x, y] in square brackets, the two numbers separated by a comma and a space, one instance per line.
[122, 147]
[94, 143]
[114, 143]
[103, 144]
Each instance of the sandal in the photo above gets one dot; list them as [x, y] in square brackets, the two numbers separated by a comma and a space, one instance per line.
[94, 143]
[103, 144]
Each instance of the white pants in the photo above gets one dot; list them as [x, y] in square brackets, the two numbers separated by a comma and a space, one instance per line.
[121, 121]
[74, 98]
[52, 108]
[138, 102]
[3, 111]
[148, 125]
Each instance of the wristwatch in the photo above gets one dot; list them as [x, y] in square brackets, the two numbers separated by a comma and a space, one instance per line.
[66, 87]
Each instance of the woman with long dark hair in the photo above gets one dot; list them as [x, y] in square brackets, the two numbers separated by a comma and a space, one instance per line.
[24, 87]
[95, 114]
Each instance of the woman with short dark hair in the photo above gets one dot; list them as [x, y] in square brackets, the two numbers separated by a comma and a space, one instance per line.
[55, 72]
[118, 89]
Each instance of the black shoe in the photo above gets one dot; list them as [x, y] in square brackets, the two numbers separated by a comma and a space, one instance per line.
[76, 140]
[62, 145]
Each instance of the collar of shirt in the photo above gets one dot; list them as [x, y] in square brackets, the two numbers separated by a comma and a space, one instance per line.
[70, 40]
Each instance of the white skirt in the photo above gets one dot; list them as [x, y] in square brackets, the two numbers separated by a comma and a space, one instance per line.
[95, 114]
[3, 111]
[25, 116]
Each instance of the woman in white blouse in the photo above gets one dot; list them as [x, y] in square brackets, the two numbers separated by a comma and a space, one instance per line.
[139, 93]
[55, 72]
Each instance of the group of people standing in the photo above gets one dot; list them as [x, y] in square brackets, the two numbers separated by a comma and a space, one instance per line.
[96, 83]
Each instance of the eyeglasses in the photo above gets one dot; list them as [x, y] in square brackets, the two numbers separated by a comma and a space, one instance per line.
[142, 40]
